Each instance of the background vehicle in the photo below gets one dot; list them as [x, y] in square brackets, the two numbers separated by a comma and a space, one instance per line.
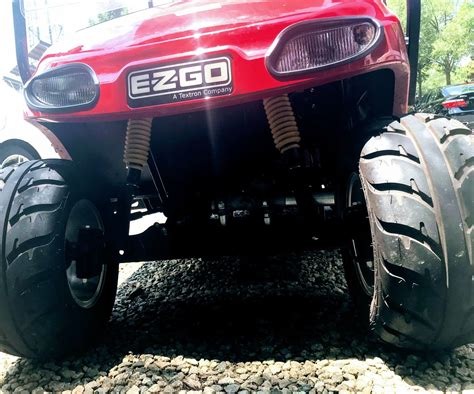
[21, 140]
[454, 101]
[250, 125]
[459, 102]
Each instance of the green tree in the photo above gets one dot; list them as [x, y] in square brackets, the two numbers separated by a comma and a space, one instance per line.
[466, 72]
[454, 39]
[430, 24]
[446, 38]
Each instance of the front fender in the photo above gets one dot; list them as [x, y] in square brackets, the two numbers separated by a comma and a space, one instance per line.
[39, 137]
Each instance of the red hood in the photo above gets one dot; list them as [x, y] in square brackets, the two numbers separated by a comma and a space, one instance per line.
[243, 31]
[183, 19]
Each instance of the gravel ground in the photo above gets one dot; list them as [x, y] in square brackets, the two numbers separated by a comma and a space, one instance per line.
[279, 324]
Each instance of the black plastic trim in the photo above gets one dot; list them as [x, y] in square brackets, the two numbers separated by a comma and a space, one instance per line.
[21, 41]
[413, 33]
[314, 25]
[35, 104]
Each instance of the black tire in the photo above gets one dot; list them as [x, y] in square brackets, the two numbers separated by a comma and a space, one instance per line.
[357, 251]
[418, 181]
[11, 149]
[40, 316]
[356, 248]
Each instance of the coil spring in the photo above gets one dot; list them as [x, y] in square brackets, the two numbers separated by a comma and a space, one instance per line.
[137, 143]
[282, 121]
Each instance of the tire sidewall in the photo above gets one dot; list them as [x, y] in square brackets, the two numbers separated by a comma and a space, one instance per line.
[76, 326]
[86, 321]
[372, 302]
[361, 300]
[7, 150]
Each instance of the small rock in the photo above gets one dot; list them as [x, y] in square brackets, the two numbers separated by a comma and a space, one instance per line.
[156, 388]
[192, 383]
[363, 382]
[92, 373]
[194, 370]
[78, 390]
[67, 374]
[137, 291]
[275, 369]
[133, 390]
[177, 361]
[92, 385]
[225, 380]
[412, 361]
[232, 388]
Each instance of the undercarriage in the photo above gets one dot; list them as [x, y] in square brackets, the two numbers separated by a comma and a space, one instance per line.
[219, 177]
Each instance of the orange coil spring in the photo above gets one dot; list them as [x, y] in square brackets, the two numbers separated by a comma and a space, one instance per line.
[137, 143]
[282, 121]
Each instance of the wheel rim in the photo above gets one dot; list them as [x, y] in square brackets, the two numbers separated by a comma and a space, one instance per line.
[361, 240]
[85, 292]
[13, 161]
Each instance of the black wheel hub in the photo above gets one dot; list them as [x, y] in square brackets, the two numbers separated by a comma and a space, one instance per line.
[357, 222]
[13, 161]
[85, 254]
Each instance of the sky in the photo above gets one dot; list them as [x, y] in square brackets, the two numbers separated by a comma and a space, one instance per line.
[65, 16]
[7, 44]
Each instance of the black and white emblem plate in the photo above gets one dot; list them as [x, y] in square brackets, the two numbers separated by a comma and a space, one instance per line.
[180, 82]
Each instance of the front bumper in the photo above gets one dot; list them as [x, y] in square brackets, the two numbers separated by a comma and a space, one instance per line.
[247, 48]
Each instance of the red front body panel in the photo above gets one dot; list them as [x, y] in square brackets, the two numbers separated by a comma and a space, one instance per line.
[241, 30]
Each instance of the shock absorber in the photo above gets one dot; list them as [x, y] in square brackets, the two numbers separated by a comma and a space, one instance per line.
[286, 136]
[137, 148]
[282, 121]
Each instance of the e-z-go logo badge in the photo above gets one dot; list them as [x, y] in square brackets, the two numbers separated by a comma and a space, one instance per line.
[179, 82]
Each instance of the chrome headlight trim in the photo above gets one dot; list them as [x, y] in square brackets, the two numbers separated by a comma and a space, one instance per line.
[64, 70]
[315, 25]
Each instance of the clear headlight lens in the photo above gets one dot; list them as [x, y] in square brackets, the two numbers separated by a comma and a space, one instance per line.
[321, 44]
[66, 88]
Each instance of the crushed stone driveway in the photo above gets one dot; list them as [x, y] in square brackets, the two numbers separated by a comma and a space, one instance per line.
[276, 324]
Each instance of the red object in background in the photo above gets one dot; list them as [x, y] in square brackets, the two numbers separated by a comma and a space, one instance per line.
[243, 31]
[456, 103]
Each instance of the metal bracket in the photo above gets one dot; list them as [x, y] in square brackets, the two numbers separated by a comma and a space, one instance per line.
[413, 35]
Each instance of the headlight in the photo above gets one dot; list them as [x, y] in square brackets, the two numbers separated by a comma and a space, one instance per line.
[68, 88]
[314, 45]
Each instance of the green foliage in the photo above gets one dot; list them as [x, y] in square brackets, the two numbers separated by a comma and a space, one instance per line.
[454, 41]
[466, 72]
[446, 41]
